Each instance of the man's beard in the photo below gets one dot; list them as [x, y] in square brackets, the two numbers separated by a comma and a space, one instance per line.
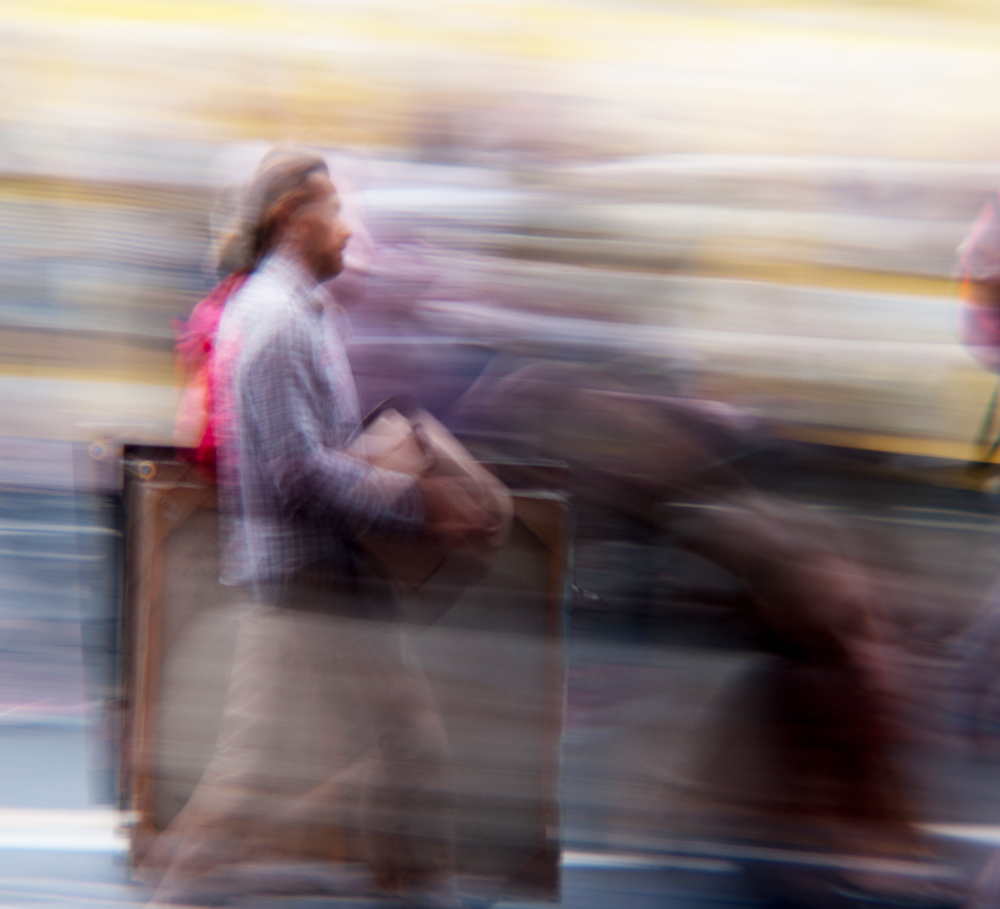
[328, 266]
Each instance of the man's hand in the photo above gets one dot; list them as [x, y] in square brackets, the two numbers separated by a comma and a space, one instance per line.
[453, 514]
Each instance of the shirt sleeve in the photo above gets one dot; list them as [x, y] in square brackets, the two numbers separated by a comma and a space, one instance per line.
[278, 398]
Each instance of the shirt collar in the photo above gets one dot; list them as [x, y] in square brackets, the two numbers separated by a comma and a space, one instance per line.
[293, 273]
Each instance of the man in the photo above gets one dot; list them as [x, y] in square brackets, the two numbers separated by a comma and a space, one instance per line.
[329, 725]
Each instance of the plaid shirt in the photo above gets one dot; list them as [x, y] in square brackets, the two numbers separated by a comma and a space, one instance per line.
[288, 406]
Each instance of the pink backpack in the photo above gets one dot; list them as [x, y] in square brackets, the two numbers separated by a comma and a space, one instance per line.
[197, 420]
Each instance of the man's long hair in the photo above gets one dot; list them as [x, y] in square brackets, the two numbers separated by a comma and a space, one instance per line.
[279, 187]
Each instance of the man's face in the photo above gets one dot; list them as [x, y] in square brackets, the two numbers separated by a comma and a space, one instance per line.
[321, 233]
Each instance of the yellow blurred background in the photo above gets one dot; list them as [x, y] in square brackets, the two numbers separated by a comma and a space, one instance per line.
[766, 195]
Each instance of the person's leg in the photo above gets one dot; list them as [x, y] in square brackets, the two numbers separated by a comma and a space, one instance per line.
[266, 755]
[406, 808]
[389, 778]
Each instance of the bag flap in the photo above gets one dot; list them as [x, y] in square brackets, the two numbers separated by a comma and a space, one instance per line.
[390, 443]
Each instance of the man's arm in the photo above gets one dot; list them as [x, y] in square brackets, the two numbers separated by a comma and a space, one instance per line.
[277, 392]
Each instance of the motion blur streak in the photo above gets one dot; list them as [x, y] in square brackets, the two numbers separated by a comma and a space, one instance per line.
[690, 266]
[696, 171]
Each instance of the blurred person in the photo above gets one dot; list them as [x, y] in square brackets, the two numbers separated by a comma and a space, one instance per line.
[979, 273]
[803, 752]
[330, 733]
[198, 413]
[979, 326]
